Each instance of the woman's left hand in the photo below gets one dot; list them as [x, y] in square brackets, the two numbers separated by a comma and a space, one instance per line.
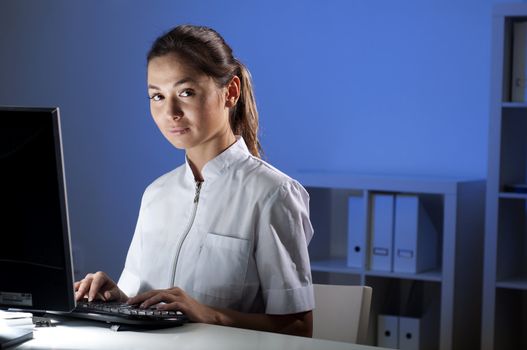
[176, 299]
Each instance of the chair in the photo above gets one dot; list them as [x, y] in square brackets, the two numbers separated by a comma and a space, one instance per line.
[341, 312]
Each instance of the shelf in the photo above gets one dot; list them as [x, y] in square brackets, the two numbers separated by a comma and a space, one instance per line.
[432, 275]
[394, 183]
[513, 195]
[455, 209]
[334, 265]
[503, 320]
[510, 10]
[339, 266]
[519, 282]
[519, 105]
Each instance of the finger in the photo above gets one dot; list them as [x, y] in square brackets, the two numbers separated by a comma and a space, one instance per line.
[158, 298]
[83, 288]
[76, 285]
[99, 280]
[141, 298]
[83, 285]
[175, 305]
[112, 294]
[138, 299]
[86, 279]
[176, 291]
[78, 296]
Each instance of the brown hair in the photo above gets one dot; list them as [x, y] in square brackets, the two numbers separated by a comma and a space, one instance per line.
[206, 51]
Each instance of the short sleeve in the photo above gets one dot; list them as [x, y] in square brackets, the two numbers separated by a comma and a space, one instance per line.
[284, 231]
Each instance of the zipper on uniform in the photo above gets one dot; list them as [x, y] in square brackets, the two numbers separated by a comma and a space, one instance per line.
[185, 233]
[198, 189]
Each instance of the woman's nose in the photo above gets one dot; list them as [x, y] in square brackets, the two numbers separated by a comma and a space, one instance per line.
[174, 110]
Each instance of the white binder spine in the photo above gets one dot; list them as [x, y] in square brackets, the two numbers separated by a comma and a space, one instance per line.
[381, 257]
[415, 237]
[388, 331]
[409, 333]
[356, 231]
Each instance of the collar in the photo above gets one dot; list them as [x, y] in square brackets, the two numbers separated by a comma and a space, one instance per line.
[221, 163]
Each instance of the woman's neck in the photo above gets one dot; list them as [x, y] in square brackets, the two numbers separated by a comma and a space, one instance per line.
[200, 155]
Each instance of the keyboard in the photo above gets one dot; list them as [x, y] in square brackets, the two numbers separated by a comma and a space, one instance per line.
[121, 313]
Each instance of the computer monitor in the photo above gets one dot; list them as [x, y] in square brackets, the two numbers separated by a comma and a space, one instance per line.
[36, 270]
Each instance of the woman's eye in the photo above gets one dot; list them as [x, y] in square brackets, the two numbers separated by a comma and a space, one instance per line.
[186, 93]
[156, 97]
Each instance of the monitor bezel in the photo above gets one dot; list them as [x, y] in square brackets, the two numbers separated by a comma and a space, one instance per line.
[70, 303]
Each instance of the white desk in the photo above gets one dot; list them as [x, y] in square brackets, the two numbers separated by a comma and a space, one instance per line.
[80, 334]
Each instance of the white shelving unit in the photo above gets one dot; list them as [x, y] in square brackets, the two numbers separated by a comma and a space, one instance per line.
[504, 313]
[451, 292]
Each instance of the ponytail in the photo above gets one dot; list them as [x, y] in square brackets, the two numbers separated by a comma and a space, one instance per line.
[244, 116]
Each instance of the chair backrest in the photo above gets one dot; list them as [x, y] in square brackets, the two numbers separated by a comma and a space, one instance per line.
[341, 312]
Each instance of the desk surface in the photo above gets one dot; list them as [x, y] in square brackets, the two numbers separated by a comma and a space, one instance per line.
[80, 334]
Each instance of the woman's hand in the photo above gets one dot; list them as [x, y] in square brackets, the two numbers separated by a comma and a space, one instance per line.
[176, 299]
[98, 286]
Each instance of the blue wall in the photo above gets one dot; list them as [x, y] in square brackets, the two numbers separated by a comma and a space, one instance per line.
[383, 87]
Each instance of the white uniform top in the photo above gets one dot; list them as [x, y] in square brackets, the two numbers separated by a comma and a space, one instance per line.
[239, 242]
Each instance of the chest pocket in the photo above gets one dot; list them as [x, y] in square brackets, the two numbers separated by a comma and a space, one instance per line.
[221, 266]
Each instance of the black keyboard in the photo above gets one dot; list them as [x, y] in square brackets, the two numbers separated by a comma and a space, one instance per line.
[120, 313]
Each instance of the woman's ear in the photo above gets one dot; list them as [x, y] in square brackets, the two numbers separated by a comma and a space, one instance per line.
[233, 92]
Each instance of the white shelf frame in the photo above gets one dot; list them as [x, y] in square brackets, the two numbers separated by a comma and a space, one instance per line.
[502, 18]
[462, 202]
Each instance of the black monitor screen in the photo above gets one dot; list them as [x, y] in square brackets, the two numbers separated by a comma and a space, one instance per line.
[35, 254]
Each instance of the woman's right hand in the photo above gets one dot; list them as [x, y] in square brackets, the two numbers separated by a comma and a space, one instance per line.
[98, 286]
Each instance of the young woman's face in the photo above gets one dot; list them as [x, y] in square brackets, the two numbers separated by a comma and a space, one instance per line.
[188, 107]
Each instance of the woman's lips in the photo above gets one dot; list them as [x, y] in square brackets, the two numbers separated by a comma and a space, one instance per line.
[179, 131]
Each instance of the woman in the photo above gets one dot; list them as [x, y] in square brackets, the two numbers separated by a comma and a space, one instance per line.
[222, 238]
